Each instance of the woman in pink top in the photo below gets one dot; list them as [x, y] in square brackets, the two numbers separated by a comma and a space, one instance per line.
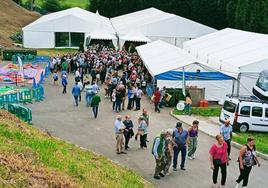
[219, 159]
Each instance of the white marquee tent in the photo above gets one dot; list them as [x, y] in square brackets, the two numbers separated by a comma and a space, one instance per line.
[158, 25]
[237, 53]
[168, 63]
[65, 28]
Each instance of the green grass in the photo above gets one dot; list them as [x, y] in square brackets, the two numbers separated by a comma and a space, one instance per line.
[55, 51]
[65, 3]
[27, 154]
[261, 140]
[201, 111]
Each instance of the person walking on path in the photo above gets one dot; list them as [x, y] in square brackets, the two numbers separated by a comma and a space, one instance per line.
[128, 133]
[80, 84]
[64, 83]
[89, 94]
[188, 104]
[159, 151]
[130, 95]
[95, 101]
[156, 100]
[180, 137]
[76, 93]
[119, 130]
[219, 159]
[193, 134]
[142, 131]
[247, 158]
[138, 95]
[226, 131]
[169, 144]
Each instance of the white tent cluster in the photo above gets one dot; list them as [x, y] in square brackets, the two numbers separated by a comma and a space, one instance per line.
[75, 24]
[240, 54]
[224, 62]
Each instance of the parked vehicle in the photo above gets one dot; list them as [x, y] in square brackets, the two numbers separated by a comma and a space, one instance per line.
[260, 90]
[245, 113]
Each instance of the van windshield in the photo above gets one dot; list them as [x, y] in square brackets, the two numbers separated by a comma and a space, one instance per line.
[229, 106]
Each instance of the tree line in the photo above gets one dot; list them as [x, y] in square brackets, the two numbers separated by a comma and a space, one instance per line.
[250, 15]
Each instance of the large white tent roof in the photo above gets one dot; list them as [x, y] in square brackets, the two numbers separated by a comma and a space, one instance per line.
[70, 20]
[154, 22]
[160, 57]
[229, 49]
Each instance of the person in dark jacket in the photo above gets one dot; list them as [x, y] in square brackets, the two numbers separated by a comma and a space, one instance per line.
[128, 132]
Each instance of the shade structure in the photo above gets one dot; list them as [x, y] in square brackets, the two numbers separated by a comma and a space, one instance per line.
[238, 53]
[167, 64]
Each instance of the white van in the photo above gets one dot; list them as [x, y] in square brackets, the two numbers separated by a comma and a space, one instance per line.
[245, 114]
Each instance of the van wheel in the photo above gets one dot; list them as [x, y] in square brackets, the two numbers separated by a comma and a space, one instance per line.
[243, 128]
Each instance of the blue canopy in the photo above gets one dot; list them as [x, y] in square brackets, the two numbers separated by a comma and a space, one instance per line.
[190, 76]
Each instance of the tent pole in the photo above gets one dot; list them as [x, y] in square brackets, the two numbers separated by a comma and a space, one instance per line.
[233, 87]
[238, 84]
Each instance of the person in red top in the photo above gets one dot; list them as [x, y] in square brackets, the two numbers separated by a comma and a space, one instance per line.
[157, 98]
[219, 159]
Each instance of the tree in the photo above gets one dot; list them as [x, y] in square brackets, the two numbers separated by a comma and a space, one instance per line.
[52, 5]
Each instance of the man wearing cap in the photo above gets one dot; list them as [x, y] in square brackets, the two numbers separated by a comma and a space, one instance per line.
[180, 136]
[119, 130]
[226, 131]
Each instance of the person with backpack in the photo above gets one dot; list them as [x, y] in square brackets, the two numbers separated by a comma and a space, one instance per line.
[158, 151]
[247, 158]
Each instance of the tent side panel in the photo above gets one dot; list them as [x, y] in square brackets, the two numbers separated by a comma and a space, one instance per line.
[214, 90]
[249, 76]
[38, 39]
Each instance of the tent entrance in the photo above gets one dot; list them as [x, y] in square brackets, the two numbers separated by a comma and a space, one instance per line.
[68, 39]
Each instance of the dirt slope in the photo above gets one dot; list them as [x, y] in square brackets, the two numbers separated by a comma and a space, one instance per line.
[12, 18]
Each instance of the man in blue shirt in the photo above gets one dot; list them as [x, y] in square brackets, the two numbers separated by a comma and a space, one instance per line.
[76, 93]
[226, 131]
[180, 136]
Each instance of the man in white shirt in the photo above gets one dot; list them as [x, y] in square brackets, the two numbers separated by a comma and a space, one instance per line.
[119, 130]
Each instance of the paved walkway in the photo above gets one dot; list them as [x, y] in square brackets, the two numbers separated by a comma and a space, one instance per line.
[77, 125]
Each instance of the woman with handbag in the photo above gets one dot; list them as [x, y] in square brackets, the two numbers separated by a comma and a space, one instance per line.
[219, 159]
[247, 158]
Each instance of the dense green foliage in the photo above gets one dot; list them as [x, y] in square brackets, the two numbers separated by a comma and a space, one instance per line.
[242, 14]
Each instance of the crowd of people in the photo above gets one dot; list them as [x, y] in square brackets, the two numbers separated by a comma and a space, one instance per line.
[124, 79]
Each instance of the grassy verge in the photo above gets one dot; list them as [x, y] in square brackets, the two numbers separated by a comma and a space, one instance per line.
[261, 140]
[210, 111]
[55, 52]
[30, 158]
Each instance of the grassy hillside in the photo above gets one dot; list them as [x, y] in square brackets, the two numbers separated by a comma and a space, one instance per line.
[66, 3]
[12, 19]
[30, 158]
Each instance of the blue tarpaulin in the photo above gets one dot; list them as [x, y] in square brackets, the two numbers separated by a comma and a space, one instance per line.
[190, 76]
